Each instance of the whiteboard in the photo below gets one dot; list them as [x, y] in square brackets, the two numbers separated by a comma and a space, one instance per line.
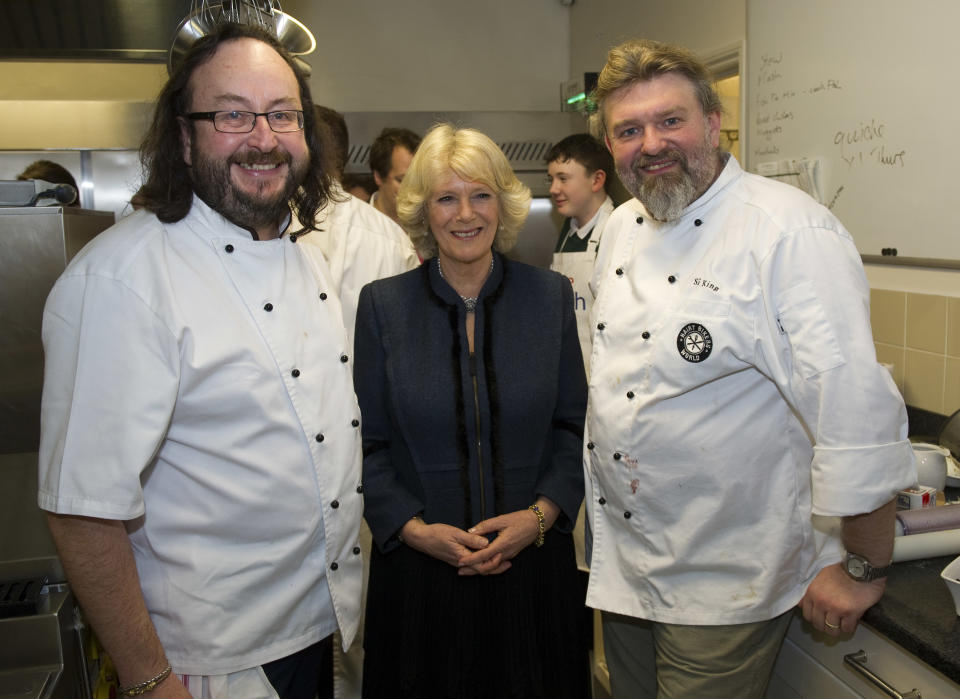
[871, 90]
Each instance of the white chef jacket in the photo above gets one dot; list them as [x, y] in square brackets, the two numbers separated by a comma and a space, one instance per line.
[735, 398]
[360, 245]
[198, 385]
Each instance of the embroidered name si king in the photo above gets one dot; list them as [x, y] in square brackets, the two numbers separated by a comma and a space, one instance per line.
[705, 283]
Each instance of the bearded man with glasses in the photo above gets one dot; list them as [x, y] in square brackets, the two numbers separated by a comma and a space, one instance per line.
[200, 449]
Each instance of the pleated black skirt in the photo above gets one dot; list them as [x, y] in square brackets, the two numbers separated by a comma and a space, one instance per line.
[431, 634]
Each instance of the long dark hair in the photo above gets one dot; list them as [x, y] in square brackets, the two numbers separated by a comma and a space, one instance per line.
[167, 190]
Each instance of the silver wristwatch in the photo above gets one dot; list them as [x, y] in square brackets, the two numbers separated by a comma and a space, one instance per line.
[859, 568]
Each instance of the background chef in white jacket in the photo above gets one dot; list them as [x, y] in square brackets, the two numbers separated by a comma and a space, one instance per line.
[359, 245]
[735, 403]
[200, 442]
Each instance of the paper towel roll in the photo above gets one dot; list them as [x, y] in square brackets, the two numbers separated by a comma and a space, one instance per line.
[928, 519]
[929, 545]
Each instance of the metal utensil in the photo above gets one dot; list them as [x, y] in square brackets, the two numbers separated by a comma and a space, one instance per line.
[204, 17]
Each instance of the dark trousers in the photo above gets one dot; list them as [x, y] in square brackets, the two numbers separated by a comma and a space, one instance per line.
[306, 674]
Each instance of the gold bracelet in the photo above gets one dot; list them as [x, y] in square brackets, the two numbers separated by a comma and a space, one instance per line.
[144, 687]
[540, 528]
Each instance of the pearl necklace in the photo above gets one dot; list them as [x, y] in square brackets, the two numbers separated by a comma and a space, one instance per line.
[469, 302]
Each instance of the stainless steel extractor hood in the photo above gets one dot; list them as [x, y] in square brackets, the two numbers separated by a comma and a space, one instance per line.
[92, 29]
[129, 30]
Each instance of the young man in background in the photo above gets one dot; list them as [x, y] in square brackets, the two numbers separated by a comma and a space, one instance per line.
[579, 169]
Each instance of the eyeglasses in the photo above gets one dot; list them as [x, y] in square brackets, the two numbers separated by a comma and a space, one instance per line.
[282, 121]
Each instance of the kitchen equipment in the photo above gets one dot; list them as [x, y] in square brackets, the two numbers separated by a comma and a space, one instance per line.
[42, 644]
[931, 464]
[930, 519]
[205, 16]
[953, 472]
[951, 576]
[928, 545]
[35, 245]
[949, 438]
[35, 193]
[19, 597]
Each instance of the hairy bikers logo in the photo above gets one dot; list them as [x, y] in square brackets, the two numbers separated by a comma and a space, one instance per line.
[694, 342]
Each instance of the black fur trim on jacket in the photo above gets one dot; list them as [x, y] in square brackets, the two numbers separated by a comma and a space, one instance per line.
[463, 439]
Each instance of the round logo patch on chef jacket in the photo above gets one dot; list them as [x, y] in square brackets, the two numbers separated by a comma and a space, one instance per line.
[694, 342]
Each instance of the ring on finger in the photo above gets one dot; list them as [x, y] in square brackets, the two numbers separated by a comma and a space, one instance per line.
[829, 625]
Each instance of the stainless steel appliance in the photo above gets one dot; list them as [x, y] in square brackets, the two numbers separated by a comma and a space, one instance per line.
[42, 649]
[39, 645]
[35, 246]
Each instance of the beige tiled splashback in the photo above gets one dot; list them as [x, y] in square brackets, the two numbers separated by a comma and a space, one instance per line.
[920, 335]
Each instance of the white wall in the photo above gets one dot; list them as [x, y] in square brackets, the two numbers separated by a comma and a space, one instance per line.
[703, 26]
[437, 55]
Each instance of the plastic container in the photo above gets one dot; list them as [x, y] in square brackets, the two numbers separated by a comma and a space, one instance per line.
[951, 576]
[931, 464]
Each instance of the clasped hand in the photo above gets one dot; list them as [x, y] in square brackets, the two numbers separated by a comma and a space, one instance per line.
[470, 551]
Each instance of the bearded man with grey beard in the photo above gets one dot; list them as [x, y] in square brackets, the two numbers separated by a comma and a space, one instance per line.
[200, 446]
[666, 195]
[734, 395]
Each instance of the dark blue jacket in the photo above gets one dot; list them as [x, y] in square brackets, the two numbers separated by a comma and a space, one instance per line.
[414, 380]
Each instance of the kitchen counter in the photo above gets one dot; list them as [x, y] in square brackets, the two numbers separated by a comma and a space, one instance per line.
[917, 613]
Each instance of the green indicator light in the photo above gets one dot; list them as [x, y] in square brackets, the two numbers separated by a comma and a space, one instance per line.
[577, 98]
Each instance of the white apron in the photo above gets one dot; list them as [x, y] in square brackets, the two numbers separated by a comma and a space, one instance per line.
[578, 268]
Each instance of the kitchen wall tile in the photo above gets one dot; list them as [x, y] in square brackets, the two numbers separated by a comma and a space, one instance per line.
[892, 354]
[951, 389]
[926, 322]
[923, 379]
[887, 315]
[953, 327]
[920, 335]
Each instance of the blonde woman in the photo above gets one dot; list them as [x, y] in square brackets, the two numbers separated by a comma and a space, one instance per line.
[471, 386]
